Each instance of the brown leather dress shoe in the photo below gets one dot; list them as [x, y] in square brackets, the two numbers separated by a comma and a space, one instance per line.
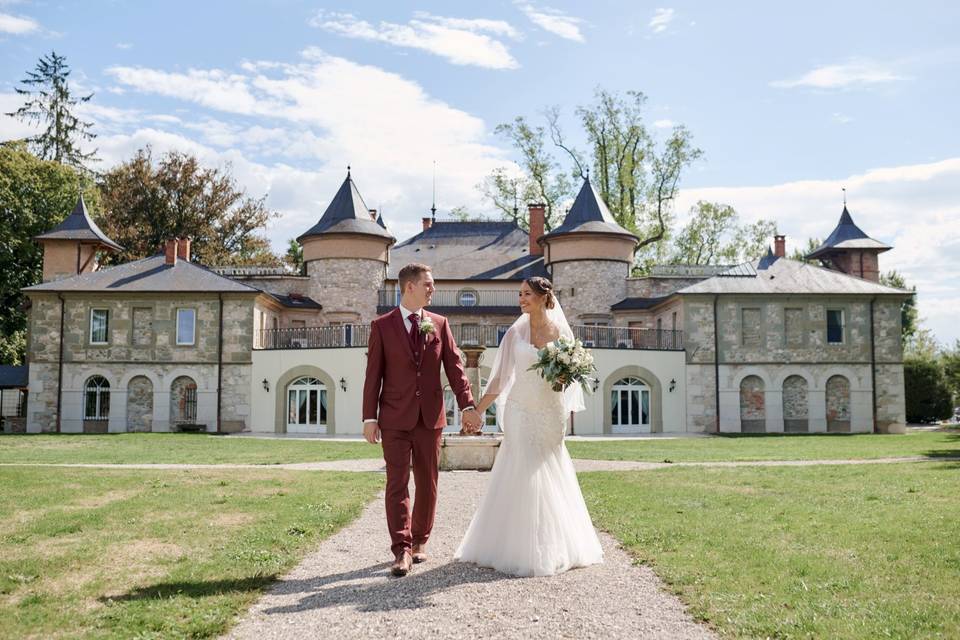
[419, 553]
[402, 565]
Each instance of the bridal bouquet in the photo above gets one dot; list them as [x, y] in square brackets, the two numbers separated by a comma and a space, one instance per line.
[564, 362]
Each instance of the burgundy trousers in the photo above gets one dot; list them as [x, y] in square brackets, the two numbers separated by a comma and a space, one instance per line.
[422, 445]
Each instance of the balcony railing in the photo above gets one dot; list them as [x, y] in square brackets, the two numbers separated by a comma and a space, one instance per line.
[466, 298]
[468, 335]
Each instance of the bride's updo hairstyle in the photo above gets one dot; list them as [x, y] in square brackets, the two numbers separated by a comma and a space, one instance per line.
[543, 287]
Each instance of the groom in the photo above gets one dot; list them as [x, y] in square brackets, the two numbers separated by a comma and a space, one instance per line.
[403, 407]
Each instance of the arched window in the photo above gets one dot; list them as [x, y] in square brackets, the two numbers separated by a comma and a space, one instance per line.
[306, 405]
[753, 411]
[96, 399]
[630, 406]
[838, 404]
[183, 400]
[453, 412]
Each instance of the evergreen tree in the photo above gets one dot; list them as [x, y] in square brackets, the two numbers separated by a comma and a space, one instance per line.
[50, 103]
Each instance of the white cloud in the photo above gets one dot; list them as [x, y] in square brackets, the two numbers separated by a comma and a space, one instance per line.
[663, 124]
[459, 40]
[661, 20]
[123, 45]
[17, 25]
[914, 208]
[853, 73]
[290, 130]
[841, 118]
[553, 20]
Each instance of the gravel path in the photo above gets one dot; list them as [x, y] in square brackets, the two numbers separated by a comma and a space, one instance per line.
[343, 590]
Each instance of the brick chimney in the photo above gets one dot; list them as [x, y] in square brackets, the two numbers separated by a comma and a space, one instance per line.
[183, 249]
[780, 246]
[170, 251]
[427, 223]
[538, 214]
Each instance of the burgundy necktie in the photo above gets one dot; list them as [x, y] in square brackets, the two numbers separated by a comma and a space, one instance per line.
[415, 333]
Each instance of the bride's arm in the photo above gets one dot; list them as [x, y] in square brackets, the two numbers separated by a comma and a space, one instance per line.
[485, 402]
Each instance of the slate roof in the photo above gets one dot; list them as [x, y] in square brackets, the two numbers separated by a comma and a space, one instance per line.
[589, 214]
[294, 301]
[786, 276]
[148, 275]
[470, 250]
[13, 377]
[79, 226]
[347, 213]
[638, 303]
[847, 235]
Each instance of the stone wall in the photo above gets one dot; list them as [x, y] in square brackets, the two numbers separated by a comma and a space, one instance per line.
[796, 404]
[346, 286]
[657, 286]
[140, 404]
[588, 288]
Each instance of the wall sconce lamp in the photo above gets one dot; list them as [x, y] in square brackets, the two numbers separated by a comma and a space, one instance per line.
[343, 384]
[673, 384]
[595, 382]
[266, 385]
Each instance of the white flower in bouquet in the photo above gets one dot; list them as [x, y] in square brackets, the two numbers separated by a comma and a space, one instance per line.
[564, 362]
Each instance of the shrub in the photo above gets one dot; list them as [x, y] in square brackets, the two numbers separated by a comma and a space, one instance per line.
[928, 395]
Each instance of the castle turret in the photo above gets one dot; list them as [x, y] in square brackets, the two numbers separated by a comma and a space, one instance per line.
[71, 247]
[346, 255]
[589, 257]
[849, 250]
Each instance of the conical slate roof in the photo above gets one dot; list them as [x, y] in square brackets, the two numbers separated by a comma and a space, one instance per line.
[347, 213]
[847, 235]
[589, 214]
[79, 226]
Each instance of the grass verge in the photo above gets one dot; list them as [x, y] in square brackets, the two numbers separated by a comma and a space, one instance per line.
[797, 552]
[771, 447]
[175, 448]
[156, 554]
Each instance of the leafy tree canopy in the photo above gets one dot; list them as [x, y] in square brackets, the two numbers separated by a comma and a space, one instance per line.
[147, 201]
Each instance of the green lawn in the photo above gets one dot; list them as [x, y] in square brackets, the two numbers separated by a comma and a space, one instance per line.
[203, 449]
[797, 552]
[770, 447]
[156, 554]
[175, 448]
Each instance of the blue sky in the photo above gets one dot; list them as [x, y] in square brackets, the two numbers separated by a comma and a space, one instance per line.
[789, 103]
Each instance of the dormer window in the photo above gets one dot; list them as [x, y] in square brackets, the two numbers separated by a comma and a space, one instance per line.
[467, 298]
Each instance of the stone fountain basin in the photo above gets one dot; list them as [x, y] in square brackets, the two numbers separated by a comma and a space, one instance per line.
[469, 453]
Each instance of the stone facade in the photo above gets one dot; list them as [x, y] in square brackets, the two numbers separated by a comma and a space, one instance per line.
[796, 405]
[346, 288]
[141, 348]
[588, 288]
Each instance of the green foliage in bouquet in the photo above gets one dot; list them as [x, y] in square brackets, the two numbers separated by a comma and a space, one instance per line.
[563, 362]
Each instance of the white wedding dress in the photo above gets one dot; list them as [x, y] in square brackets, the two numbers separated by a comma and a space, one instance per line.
[532, 521]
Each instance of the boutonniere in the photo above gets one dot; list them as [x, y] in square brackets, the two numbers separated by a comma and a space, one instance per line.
[426, 326]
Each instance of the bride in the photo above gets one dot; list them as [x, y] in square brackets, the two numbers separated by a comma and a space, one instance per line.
[532, 520]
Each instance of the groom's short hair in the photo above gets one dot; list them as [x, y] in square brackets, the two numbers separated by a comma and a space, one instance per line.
[411, 273]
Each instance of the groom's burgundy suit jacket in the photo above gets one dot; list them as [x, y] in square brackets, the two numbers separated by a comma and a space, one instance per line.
[399, 386]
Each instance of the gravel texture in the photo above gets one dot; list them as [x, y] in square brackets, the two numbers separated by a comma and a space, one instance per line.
[343, 590]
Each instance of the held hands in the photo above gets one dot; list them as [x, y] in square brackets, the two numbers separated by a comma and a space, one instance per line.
[472, 421]
[371, 431]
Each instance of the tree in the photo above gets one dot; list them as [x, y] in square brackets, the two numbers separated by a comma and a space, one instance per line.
[542, 180]
[950, 359]
[50, 103]
[800, 253]
[928, 396]
[908, 308]
[147, 202]
[294, 256]
[35, 196]
[714, 236]
[637, 178]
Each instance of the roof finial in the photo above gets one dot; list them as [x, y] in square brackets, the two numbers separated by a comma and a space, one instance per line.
[588, 173]
[844, 189]
[348, 172]
[433, 207]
